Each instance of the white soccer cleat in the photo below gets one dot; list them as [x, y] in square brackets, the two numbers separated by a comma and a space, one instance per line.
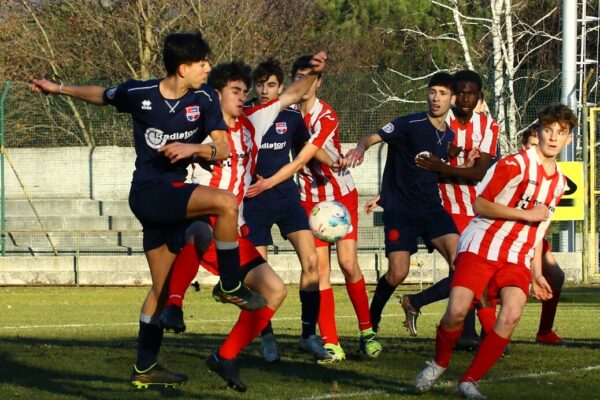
[468, 389]
[426, 379]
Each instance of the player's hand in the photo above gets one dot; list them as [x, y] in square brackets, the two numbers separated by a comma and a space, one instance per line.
[340, 164]
[473, 155]
[178, 151]
[371, 205]
[454, 150]
[257, 187]
[541, 288]
[429, 162]
[355, 157]
[43, 86]
[538, 213]
[317, 64]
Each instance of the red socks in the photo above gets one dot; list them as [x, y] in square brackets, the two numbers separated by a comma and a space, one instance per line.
[357, 292]
[184, 270]
[444, 344]
[327, 317]
[247, 327]
[487, 318]
[489, 352]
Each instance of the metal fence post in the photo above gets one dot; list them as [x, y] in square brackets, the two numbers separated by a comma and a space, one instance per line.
[2, 186]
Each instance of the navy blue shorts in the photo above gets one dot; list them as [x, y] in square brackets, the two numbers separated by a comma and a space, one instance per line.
[161, 208]
[287, 213]
[402, 229]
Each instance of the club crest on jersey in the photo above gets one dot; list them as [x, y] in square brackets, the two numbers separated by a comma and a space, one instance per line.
[192, 113]
[280, 128]
[388, 128]
[147, 105]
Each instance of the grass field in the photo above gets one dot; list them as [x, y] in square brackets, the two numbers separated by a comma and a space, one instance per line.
[79, 343]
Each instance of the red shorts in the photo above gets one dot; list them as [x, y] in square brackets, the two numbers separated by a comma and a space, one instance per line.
[249, 257]
[461, 221]
[350, 201]
[477, 273]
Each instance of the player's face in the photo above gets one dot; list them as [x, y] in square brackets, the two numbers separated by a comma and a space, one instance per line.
[552, 138]
[312, 92]
[233, 97]
[196, 73]
[467, 96]
[268, 90]
[440, 99]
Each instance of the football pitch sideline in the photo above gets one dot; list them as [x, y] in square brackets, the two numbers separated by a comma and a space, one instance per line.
[79, 343]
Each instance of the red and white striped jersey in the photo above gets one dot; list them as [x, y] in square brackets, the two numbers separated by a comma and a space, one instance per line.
[245, 138]
[517, 181]
[481, 132]
[317, 181]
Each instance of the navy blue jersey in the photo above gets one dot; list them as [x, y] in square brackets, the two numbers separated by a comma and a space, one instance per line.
[406, 187]
[274, 153]
[158, 121]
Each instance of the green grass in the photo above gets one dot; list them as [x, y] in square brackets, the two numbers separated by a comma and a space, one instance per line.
[79, 343]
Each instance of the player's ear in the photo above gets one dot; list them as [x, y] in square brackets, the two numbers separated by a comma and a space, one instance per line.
[452, 99]
[182, 70]
[280, 90]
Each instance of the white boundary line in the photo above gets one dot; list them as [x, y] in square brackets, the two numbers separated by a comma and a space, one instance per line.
[447, 384]
[192, 322]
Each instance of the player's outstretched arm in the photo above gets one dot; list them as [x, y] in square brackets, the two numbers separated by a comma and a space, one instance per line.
[287, 171]
[489, 209]
[356, 155]
[89, 94]
[476, 172]
[293, 94]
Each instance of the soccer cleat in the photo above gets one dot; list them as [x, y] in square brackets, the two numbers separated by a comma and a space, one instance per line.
[425, 380]
[550, 338]
[227, 370]
[335, 351]
[369, 344]
[467, 343]
[469, 390]
[314, 346]
[171, 318]
[268, 344]
[242, 296]
[156, 375]
[411, 315]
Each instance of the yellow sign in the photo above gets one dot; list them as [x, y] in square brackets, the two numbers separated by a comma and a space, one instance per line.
[570, 207]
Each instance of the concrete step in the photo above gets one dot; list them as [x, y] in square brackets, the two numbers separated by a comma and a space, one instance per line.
[106, 241]
[22, 208]
[73, 222]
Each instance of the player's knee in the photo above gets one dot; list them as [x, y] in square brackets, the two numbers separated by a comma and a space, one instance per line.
[228, 203]
[201, 234]
[456, 313]
[395, 276]
[349, 266]
[510, 316]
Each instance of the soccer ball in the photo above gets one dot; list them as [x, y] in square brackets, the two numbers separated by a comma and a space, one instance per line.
[330, 221]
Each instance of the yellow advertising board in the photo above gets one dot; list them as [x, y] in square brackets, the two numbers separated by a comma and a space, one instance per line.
[570, 207]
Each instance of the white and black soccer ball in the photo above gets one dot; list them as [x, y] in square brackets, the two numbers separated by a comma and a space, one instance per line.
[330, 221]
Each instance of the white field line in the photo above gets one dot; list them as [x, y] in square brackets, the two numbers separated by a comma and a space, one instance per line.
[188, 322]
[448, 384]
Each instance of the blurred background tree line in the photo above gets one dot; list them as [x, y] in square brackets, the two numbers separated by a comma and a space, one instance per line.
[381, 53]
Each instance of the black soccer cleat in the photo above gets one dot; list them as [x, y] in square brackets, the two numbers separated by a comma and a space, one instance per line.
[467, 343]
[227, 370]
[171, 319]
[242, 296]
[156, 375]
